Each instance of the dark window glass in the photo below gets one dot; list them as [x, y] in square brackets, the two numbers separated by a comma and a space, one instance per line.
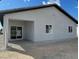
[13, 32]
[47, 31]
[70, 28]
[16, 32]
[48, 28]
[19, 32]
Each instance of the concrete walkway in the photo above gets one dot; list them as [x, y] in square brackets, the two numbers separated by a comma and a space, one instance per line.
[42, 50]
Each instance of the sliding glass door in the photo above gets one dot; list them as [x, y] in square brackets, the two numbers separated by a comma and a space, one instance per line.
[19, 32]
[16, 32]
[13, 32]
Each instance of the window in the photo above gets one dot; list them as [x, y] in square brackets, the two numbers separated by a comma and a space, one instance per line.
[70, 29]
[48, 28]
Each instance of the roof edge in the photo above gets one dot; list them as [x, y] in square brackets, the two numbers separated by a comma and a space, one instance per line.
[38, 7]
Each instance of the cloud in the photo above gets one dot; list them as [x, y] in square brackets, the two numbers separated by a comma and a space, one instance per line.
[76, 7]
[26, 0]
[44, 3]
[52, 2]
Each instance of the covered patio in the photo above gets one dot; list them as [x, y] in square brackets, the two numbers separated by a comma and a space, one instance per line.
[21, 30]
[16, 30]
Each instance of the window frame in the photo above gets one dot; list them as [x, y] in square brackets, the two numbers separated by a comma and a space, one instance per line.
[48, 28]
[70, 29]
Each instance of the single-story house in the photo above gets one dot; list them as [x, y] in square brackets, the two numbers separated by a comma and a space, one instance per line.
[40, 23]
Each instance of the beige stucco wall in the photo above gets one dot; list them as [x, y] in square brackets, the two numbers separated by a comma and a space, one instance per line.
[43, 17]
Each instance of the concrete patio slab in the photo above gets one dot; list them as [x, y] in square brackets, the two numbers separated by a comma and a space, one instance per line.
[29, 50]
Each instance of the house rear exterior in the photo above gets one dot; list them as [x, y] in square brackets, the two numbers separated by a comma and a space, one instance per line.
[42, 23]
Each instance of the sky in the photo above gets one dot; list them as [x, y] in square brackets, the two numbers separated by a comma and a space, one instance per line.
[70, 6]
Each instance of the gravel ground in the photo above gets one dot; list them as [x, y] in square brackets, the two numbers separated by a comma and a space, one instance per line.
[49, 50]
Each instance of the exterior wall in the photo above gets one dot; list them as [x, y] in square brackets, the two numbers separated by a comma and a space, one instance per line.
[29, 30]
[59, 23]
[47, 16]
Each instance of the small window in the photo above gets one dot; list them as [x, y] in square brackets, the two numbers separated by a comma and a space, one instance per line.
[70, 29]
[48, 28]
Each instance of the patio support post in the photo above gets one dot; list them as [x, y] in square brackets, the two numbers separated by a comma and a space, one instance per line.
[6, 31]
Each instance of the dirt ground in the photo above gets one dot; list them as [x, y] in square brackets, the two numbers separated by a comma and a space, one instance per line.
[42, 50]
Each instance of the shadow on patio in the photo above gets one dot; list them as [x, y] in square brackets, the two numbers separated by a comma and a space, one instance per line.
[22, 47]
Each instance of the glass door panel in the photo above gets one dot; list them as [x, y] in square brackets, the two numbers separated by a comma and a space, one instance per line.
[19, 32]
[13, 32]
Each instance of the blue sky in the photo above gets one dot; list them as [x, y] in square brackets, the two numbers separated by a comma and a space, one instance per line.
[69, 5]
